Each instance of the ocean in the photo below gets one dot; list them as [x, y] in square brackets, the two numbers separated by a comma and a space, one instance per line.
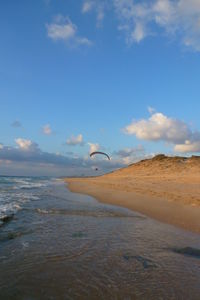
[55, 244]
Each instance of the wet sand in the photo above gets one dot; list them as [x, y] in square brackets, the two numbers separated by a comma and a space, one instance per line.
[166, 189]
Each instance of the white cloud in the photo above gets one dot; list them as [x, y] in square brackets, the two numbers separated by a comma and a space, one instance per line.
[190, 7]
[47, 129]
[139, 32]
[139, 19]
[61, 30]
[87, 6]
[26, 145]
[159, 128]
[188, 147]
[64, 30]
[94, 147]
[75, 140]
[133, 18]
[162, 128]
[98, 6]
[183, 17]
[164, 12]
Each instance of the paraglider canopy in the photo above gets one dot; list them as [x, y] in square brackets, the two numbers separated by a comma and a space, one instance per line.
[99, 152]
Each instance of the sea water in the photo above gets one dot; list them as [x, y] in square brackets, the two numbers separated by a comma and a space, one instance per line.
[55, 244]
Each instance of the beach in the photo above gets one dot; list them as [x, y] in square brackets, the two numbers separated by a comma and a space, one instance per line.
[166, 189]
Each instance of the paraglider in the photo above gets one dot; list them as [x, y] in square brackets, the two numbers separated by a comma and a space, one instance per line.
[99, 152]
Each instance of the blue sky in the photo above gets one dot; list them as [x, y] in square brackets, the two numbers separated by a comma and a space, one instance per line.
[120, 76]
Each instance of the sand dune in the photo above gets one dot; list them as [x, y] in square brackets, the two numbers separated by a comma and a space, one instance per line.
[166, 188]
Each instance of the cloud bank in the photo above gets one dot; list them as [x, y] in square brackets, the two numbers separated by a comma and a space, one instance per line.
[27, 158]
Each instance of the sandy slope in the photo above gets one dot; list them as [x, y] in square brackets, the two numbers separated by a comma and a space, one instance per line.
[165, 188]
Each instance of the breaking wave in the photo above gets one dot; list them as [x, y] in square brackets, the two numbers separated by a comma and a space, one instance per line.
[16, 191]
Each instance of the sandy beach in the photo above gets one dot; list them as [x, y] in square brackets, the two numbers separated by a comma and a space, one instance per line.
[164, 188]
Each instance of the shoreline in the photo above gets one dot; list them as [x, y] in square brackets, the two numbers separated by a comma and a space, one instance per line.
[181, 215]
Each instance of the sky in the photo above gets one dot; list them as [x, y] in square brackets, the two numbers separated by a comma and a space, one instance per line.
[119, 76]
